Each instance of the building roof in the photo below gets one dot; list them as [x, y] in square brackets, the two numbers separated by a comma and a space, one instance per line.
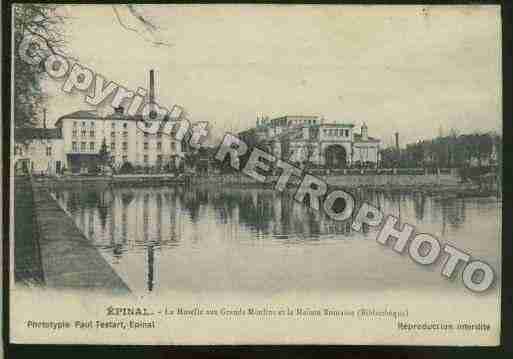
[297, 117]
[36, 133]
[334, 124]
[93, 115]
[287, 120]
[358, 138]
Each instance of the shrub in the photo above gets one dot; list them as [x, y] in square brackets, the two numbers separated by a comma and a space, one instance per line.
[126, 168]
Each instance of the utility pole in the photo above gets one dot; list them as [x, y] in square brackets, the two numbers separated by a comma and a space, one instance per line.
[398, 152]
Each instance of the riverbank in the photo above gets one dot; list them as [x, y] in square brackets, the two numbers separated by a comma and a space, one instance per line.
[68, 260]
[134, 180]
[448, 185]
[27, 256]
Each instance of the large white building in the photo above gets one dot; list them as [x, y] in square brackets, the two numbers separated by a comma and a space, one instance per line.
[38, 151]
[84, 132]
[310, 138]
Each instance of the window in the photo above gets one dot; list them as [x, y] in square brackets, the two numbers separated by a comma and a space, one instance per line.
[159, 146]
[113, 134]
[91, 124]
[113, 146]
[347, 133]
[159, 134]
[113, 124]
[125, 158]
[74, 147]
[173, 146]
[91, 146]
[341, 133]
[74, 123]
[145, 145]
[83, 146]
[146, 134]
[84, 132]
[18, 150]
[125, 146]
[159, 158]
[49, 151]
[91, 133]
[125, 125]
[83, 123]
[113, 158]
[125, 134]
[75, 133]
[145, 158]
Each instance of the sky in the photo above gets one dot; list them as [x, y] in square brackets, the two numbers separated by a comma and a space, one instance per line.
[416, 70]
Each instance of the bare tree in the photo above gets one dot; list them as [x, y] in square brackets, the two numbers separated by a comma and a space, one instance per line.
[44, 23]
[132, 18]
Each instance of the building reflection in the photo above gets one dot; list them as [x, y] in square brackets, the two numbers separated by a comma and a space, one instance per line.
[149, 220]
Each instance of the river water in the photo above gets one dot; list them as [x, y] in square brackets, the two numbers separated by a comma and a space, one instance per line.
[219, 240]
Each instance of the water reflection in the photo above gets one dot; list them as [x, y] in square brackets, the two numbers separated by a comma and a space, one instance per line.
[137, 229]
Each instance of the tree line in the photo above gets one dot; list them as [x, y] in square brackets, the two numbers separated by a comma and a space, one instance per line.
[453, 151]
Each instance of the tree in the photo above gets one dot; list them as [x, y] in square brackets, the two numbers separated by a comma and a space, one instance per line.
[104, 156]
[43, 22]
[132, 18]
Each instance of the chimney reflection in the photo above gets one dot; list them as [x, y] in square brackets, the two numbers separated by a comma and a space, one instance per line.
[151, 264]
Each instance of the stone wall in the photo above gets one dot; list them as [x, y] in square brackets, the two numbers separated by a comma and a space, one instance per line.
[69, 260]
[343, 180]
[392, 180]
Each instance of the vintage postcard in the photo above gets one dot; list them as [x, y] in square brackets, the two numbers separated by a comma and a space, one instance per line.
[255, 174]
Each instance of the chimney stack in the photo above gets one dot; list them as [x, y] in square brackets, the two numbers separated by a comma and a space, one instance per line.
[153, 113]
[397, 141]
[44, 118]
[152, 87]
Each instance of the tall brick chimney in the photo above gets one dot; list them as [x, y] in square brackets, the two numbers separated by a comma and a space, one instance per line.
[153, 113]
[152, 86]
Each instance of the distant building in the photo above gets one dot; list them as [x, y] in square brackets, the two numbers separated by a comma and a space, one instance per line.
[303, 139]
[38, 151]
[84, 131]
